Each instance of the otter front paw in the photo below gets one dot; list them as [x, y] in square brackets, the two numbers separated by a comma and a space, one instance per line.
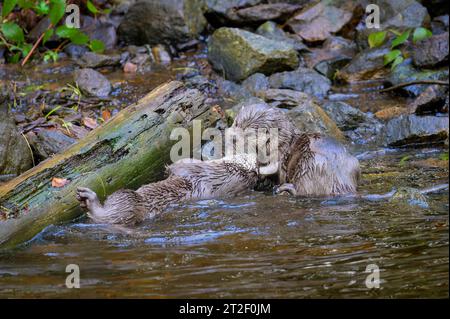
[286, 188]
[88, 199]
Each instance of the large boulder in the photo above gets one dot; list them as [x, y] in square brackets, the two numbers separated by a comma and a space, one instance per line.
[272, 31]
[15, 155]
[238, 54]
[167, 22]
[412, 129]
[303, 80]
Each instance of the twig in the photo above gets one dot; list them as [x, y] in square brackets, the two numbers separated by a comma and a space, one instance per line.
[29, 147]
[413, 83]
[36, 44]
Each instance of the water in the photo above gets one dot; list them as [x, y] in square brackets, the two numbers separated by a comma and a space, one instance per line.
[256, 245]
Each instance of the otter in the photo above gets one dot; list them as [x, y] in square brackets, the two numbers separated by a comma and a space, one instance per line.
[309, 164]
[188, 179]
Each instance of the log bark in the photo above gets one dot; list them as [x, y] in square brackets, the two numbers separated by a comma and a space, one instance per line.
[131, 149]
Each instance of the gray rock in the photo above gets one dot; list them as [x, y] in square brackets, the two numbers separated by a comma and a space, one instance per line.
[239, 54]
[166, 22]
[410, 196]
[75, 51]
[223, 12]
[256, 83]
[412, 130]
[364, 65]
[303, 80]
[15, 156]
[271, 30]
[311, 118]
[284, 98]
[431, 51]
[95, 60]
[329, 67]
[434, 99]
[318, 22]
[405, 72]
[440, 24]
[100, 29]
[279, 12]
[231, 92]
[346, 117]
[46, 143]
[92, 82]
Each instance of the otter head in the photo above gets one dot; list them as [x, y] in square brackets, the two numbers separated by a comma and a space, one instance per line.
[264, 130]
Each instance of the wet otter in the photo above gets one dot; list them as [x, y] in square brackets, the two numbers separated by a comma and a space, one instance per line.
[308, 164]
[187, 179]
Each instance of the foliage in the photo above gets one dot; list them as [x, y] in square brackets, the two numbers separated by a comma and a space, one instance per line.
[396, 56]
[13, 35]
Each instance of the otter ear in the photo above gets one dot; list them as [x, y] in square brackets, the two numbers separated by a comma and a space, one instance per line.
[270, 169]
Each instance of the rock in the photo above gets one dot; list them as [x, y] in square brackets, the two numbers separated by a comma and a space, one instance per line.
[318, 22]
[391, 112]
[162, 22]
[405, 72]
[96, 60]
[412, 129]
[15, 156]
[256, 83]
[161, 54]
[75, 51]
[311, 118]
[345, 116]
[410, 196]
[232, 93]
[434, 99]
[440, 24]
[329, 67]
[46, 143]
[100, 29]
[92, 82]
[284, 98]
[271, 30]
[303, 80]
[364, 66]
[223, 12]
[239, 54]
[431, 51]
[279, 12]
[394, 14]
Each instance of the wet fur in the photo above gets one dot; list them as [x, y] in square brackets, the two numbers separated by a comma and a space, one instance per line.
[187, 179]
[309, 164]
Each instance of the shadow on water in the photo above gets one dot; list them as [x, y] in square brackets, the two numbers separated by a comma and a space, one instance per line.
[256, 245]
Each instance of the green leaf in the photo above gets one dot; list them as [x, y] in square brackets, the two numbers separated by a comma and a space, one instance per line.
[15, 58]
[57, 10]
[80, 38]
[396, 62]
[8, 6]
[400, 39]
[50, 55]
[376, 39]
[444, 156]
[391, 56]
[12, 32]
[42, 8]
[97, 46]
[73, 34]
[91, 7]
[26, 4]
[26, 48]
[421, 34]
[47, 35]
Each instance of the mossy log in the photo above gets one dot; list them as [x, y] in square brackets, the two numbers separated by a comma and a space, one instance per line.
[126, 152]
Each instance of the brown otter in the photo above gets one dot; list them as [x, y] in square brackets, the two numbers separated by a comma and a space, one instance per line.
[187, 179]
[308, 164]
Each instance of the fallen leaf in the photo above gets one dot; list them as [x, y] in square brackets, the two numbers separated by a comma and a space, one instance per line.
[106, 115]
[90, 122]
[59, 182]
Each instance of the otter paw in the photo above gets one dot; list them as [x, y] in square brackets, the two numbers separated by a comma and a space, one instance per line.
[285, 189]
[86, 197]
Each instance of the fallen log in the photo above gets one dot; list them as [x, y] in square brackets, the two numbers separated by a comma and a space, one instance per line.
[129, 150]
